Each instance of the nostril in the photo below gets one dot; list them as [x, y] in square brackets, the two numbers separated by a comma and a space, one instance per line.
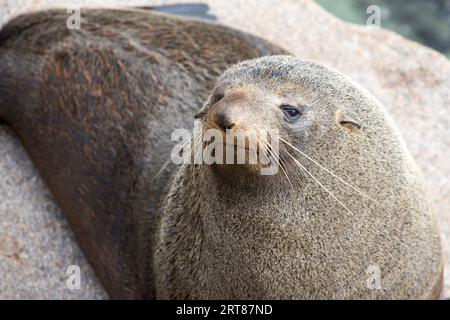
[223, 121]
[229, 127]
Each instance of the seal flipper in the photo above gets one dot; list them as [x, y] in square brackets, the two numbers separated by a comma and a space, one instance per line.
[90, 182]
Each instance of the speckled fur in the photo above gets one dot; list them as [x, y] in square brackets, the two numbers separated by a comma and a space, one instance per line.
[227, 233]
[94, 109]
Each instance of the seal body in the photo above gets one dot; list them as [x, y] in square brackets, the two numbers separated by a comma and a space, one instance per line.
[354, 220]
[95, 109]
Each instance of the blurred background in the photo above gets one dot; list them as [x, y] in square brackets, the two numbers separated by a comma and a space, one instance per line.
[427, 22]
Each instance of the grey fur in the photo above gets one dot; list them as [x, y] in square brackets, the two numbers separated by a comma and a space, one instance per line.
[227, 233]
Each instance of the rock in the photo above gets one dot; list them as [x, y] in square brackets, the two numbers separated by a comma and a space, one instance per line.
[36, 244]
[411, 80]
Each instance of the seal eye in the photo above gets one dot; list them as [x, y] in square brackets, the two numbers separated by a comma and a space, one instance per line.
[291, 113]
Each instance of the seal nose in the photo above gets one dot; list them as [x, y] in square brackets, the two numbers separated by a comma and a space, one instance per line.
[222, 119]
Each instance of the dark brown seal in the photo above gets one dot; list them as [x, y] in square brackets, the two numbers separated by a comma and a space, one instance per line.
[94, 109]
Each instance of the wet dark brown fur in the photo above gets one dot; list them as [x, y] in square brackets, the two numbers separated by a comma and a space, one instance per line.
[94, 109]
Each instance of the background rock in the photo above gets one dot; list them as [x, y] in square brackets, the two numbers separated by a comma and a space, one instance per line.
[412, 82]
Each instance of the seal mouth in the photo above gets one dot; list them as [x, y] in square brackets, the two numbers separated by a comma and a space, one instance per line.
[238, 154]
[234, 148]
[244, 146]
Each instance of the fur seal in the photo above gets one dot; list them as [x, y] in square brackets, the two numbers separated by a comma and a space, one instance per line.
[95, 109]
[356, 206]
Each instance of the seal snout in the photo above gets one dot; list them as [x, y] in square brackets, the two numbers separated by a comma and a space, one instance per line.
[232, 111]
[222, 119]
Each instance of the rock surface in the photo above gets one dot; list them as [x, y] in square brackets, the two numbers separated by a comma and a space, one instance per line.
[412, 82]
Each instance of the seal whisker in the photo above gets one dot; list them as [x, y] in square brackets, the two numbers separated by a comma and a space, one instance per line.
[320, 183]
[285, 150]
[197, 143]
[330, 172]
[277, 158]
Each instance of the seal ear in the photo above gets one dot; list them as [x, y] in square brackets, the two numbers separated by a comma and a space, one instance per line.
[347, 122]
